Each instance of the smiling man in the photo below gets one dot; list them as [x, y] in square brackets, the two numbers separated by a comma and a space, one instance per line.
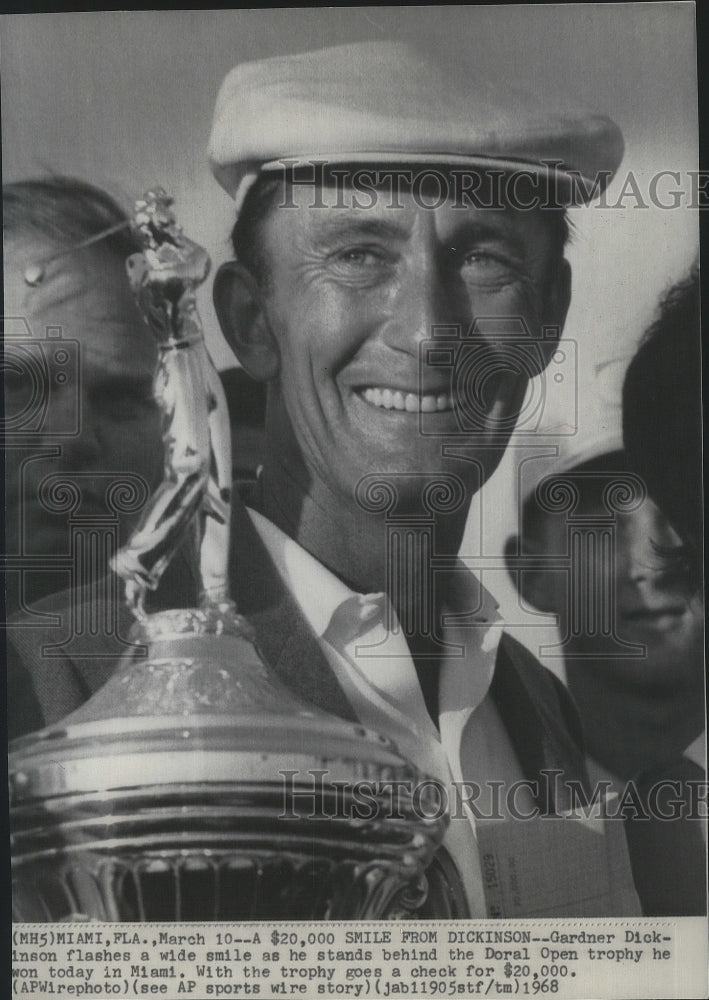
[335, 317]
[399, 276]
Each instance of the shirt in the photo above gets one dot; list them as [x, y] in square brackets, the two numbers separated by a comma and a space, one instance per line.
[364, 644]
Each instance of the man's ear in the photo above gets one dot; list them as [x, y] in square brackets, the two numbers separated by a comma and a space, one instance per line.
[556, 306]
[535, 586]
[238, 301]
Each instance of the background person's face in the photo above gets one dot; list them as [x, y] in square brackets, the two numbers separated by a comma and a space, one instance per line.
[654, 604]
[86, 296]
[352, 295]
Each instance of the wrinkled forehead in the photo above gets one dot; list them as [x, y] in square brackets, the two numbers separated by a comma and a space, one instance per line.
[330, 196]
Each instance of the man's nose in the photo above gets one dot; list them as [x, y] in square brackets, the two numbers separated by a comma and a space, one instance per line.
[427, 302]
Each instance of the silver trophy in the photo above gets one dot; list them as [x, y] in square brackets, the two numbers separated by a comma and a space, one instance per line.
[171, 802]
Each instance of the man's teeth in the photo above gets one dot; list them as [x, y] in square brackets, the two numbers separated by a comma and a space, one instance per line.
[393, 399]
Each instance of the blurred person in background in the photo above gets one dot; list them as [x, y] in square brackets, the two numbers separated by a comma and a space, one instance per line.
[78, 370]
[79, 417]
[662, 431]
[630, 613]
[631, 623]
[662, 415]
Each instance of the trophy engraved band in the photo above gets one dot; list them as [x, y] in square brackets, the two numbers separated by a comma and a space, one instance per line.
[175, 792]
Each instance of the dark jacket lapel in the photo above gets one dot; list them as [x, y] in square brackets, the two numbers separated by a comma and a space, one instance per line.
[283, 636]
[542, 724]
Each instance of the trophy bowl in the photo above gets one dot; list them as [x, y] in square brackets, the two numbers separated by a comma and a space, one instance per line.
[195, 786]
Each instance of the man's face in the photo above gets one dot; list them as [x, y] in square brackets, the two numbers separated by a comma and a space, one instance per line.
[353, 292]
[106, 398]
[650, 593]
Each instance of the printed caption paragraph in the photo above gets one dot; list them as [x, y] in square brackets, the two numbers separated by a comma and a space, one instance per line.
[537, 958]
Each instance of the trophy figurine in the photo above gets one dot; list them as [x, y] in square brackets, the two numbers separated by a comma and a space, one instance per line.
[170, 802]
[194, 496]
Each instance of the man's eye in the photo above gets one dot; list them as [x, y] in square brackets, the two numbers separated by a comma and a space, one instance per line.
[483, 258]
[360, 266]
[360, 257]
[486, 265]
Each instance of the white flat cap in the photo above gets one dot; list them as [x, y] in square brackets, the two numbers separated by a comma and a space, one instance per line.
[385, 102]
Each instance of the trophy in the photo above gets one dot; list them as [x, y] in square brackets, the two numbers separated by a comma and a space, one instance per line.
[170, 801]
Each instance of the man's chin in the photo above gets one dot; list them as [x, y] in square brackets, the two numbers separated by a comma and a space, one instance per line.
[434, 486]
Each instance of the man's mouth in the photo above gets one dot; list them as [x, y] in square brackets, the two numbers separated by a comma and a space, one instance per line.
[410, 402]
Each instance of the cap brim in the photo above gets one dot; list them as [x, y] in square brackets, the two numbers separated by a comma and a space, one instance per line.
[568, 187]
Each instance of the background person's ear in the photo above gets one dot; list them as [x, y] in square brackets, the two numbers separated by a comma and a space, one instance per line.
[536, 586]
[238, 303]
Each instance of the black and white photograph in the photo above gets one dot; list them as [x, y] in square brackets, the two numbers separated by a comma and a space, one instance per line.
[353, 548]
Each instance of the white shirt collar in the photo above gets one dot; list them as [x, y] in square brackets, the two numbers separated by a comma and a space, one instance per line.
[339, 615]
[318, 591]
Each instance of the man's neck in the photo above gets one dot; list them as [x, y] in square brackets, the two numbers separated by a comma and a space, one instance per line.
[370, 552]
